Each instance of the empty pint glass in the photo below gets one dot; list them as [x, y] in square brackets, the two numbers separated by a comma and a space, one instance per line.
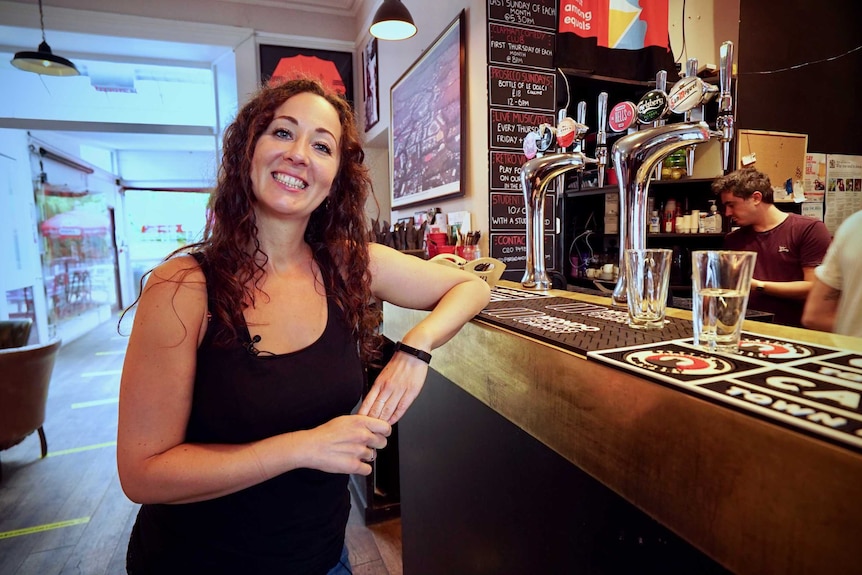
[720, 284]
[647, 279]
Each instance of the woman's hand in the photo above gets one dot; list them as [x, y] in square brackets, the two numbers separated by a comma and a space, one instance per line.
[395, 389]
[347, 444]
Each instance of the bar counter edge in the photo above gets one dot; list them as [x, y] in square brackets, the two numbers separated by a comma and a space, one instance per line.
[752, 495]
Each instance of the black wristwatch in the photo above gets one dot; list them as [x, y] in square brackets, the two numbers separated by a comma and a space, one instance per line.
[760, 288]
[423, 355]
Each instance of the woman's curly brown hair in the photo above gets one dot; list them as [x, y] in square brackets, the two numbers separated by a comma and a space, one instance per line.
[337, 231]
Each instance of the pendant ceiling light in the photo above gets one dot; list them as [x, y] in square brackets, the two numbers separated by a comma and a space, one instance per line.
[43, 61]
[392, 21]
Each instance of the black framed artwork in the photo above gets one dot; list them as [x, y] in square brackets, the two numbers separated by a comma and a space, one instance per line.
[371, 88]
[427, 135]
[279, 63]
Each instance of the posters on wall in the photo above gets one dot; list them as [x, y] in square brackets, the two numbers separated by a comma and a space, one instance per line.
[814, 185]
[843, 188]
[521, 96]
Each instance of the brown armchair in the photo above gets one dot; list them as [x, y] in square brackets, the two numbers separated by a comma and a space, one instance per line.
[14, 332]
[25, 373]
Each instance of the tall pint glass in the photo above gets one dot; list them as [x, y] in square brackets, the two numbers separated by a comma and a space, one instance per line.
[720, 283]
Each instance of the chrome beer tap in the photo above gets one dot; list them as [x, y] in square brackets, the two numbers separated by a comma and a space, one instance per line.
[602, 137]
[536, 174]
[635, 157]
[724, 122]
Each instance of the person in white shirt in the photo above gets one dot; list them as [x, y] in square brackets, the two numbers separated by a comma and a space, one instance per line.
[835, 301]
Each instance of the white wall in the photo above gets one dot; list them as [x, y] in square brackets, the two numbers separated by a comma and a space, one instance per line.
[20, 265]
[707, 24]
[168, 169]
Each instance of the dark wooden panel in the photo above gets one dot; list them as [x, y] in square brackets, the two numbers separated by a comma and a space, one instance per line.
[821, 100]
[480, 496]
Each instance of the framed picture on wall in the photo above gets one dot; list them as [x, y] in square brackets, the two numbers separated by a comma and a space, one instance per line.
[371, 87]
[427, 129]
[279, 63]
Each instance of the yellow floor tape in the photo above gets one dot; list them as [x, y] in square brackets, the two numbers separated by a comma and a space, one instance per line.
[99, 373]
[84, 448]
[95, 402]
[45, 527]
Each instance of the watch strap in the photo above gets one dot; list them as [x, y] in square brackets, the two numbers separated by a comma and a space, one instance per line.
[423, 355]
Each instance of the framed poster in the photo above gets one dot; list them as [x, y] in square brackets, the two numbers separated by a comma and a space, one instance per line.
[427, 130]
[371, 89]
[279, 63]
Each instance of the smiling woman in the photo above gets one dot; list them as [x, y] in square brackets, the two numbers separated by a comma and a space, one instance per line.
[239, 434]
[296, 159]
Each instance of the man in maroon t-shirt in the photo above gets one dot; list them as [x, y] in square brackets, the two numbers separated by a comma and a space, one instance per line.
[788, 246]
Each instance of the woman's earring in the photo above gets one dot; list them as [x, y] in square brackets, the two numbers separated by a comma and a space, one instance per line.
[326, 203]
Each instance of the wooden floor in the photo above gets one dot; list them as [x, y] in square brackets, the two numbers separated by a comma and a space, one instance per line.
[66, 513]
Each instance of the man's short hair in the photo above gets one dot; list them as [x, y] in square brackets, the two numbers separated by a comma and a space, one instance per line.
[743, 183]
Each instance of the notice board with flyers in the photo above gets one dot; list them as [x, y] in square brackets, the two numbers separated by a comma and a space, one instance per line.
[779, 155]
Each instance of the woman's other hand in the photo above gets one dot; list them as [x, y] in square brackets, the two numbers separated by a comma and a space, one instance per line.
[395, 389]
[346, 444]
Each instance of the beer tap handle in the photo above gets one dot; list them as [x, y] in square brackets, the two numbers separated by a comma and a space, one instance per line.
[581, 119]
[691, 67]
[724, 121]
[582, 112]
[602, 137]
[691, 72]
[661, 85]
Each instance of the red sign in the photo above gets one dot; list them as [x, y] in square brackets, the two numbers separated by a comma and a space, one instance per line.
[622, 116]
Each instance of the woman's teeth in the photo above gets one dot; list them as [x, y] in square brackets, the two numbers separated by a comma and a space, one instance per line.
[290, 181]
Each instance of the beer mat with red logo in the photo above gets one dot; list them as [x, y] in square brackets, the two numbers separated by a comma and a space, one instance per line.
[575, 325]
[812, 389]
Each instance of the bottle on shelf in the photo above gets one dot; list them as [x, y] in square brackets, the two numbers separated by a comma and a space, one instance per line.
[714, 223]
[654, 222]
[669, 219]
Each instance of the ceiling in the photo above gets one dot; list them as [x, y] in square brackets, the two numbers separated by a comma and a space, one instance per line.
[135, 50]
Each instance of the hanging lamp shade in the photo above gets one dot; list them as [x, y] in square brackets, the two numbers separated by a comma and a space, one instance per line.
[44, 61]
[392, 21]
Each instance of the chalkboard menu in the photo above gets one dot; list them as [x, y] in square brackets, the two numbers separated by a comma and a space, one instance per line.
[535, 14]
[509, 213]
[521, 96]
[511, 249]
[508, 128]
[521, 88]
[510, 45]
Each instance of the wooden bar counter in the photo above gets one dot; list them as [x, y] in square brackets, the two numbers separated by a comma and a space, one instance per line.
[747, 494]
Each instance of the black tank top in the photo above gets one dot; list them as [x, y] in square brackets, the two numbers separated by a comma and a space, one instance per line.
[293, 523]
